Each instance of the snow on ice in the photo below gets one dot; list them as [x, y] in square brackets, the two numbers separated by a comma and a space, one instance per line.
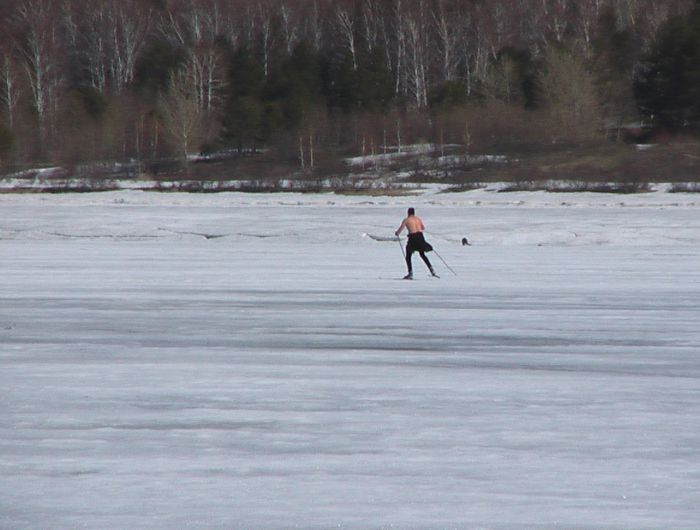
[248, 361]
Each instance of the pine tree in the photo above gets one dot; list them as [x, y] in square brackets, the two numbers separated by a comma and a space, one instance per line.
[367, 85]
[614, 58]
[7, 140]
[668, 87]
[242, 119]
[511, 78]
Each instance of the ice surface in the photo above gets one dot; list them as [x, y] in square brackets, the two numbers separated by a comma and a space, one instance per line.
[249, 361]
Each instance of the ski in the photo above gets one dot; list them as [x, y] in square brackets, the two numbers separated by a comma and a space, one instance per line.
[436, 277]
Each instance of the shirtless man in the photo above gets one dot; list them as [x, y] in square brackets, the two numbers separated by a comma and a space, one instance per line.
[416, 242]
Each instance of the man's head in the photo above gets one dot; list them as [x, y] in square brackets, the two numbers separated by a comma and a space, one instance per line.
[411, 211]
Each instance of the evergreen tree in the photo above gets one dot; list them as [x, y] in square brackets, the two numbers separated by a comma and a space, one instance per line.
[512, 78]
[338, 76]
[295, 87]
[155, 68]
[668, 87]
[374, 83]
[258, 107]
[365, 86]
[242, 122]
[246, 73]
[242, 119]
[7, 141]
[614, 58]
[448, 94]
[94, 102]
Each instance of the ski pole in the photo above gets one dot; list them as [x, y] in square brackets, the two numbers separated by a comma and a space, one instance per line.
[403, 252]
[446, 265]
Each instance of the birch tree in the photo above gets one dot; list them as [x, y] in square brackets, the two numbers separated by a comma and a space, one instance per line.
[130, 23]
[181, 119]
[588, 13]
[557, 18]
[373, 21]
[9, 81]
[417, 46]
[194, 28]
[290, 27]
[314, 25]
[447, 33]
[265, 22]
[41, 50]
[106, 39]
[399, 48]
[345, 24]
[416, 65]
[94, 50]
[473, 49]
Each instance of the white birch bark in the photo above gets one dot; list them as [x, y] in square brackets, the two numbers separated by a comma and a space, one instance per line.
[417, 47]
[196, 29]
[346, 29]
[130, 21]
[400, 48]
[40, 49]
[290, 28]
[447, 40]
[372, 22]
[9, 84]
[266, 34]
[315, 26]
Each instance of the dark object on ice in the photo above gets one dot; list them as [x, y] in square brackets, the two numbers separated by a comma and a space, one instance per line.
[465, 242]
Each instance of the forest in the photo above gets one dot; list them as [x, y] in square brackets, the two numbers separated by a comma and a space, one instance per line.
[299, 84]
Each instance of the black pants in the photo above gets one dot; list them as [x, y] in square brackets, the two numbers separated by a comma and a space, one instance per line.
[417, 243]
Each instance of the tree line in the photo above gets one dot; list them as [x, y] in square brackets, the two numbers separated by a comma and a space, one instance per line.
[91, 80]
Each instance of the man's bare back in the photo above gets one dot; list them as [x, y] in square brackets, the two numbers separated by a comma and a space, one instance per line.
[412, 223]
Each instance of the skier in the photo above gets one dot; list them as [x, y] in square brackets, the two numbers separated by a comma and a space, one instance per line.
[416, 242]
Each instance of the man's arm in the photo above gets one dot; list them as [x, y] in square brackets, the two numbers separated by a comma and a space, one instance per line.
[403, 225]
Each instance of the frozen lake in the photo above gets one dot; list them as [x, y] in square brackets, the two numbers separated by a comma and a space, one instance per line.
[251, 361]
